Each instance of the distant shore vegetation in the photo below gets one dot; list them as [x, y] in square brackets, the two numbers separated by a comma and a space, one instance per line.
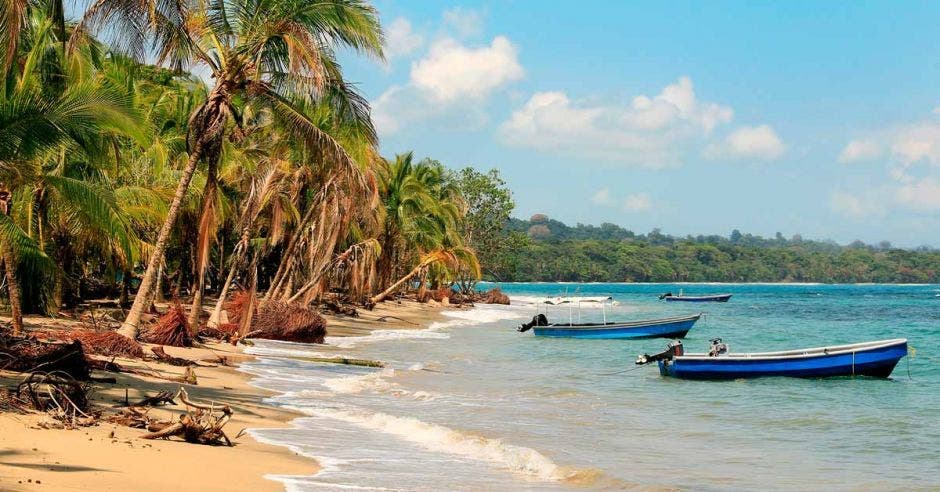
[548, 250]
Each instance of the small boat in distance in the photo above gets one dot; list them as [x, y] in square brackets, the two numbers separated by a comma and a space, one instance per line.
[675, 327]
[555, 301]
[875, 359]
[682, 297]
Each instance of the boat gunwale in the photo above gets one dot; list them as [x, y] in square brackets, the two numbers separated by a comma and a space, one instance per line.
[826, 351]
[618, 325]
[709, 296]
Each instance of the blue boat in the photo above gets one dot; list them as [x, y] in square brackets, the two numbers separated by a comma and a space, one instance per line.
[875, 359]
[675, 327]
[710, 298]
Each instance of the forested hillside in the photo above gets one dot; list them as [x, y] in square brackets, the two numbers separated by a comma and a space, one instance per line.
[549, 250]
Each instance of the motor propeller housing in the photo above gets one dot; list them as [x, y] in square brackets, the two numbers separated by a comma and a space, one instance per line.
[537, 320]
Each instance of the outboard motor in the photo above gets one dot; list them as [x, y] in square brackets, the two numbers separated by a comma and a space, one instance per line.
[674, 349]
[537, 320]
[667, 294]
[717, 348]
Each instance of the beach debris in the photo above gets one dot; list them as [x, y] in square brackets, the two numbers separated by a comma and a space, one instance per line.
[278, 320]
[166, 358]
[335, 304]
[172, 328]
[442, 293]
[162, 398]
[134, 417]
[346, 361]
[493, 296]
[235, 308]
[222, 331]
[58, 394]
[107, 343]
[201, 424]
[30, 355]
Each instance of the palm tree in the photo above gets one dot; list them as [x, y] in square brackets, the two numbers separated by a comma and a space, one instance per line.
[34, 123]
[261, 53]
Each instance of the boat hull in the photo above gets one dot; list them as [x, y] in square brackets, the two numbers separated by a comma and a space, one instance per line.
[721, 298]
[875, 362]
[666, 328]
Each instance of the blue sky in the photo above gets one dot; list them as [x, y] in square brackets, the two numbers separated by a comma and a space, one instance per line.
[817, 118]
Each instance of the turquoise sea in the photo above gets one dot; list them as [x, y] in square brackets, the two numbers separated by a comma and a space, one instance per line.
[470, 404]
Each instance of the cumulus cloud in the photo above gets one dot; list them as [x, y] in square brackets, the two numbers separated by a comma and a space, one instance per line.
[451, 79]
[465, 22]
[852, 206]
[921, 195]
[602, 197]
[637, 202]
[919, 142]
[452, 71]
[400, 39]
[650, 131]
[860, 151]
[748, 142]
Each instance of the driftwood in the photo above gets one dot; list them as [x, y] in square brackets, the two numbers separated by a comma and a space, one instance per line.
[166, 358]
[161, 398]
[201, 424]
[58, 394]
[346, 361]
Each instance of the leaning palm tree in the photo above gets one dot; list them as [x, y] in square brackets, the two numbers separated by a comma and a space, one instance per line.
[260, 53]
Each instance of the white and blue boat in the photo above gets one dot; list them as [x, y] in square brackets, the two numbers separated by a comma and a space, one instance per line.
[709, 298]
[675, 327]
[875, 359]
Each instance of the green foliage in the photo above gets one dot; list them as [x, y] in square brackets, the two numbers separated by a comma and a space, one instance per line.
[612, 254]
[489, 203]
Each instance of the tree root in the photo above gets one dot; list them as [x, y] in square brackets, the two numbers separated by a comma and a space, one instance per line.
[202, 423]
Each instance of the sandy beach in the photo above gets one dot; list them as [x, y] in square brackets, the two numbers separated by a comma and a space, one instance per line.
[35, 456]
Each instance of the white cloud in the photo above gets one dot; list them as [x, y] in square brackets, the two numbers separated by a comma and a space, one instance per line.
[915, 143]
[859, 151]
[936, 110]
[400, 39]
[748, 142]
[452, 71]
[922, 195]
[602, 197]
[466, 22]
[637, 202]
[851, 206]
[650, 131]
[449, 83]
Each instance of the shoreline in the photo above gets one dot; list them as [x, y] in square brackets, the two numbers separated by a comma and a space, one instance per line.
[109, 456]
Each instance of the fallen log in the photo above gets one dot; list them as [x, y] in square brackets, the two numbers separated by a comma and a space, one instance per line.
[202, 426]
[345, 361]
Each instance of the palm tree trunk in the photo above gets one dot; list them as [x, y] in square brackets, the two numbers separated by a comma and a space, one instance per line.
[13, 289]
[237, 256]
[206, 231]
[287, 257]
[394, 287]
[131, 325]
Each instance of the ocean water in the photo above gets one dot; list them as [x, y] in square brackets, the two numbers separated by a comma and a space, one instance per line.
[470, 404]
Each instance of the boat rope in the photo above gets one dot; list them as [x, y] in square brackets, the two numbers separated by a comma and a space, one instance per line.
[853, 363]
[619, 372]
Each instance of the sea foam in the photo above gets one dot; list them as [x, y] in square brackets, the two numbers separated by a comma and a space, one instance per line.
[525, 461]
